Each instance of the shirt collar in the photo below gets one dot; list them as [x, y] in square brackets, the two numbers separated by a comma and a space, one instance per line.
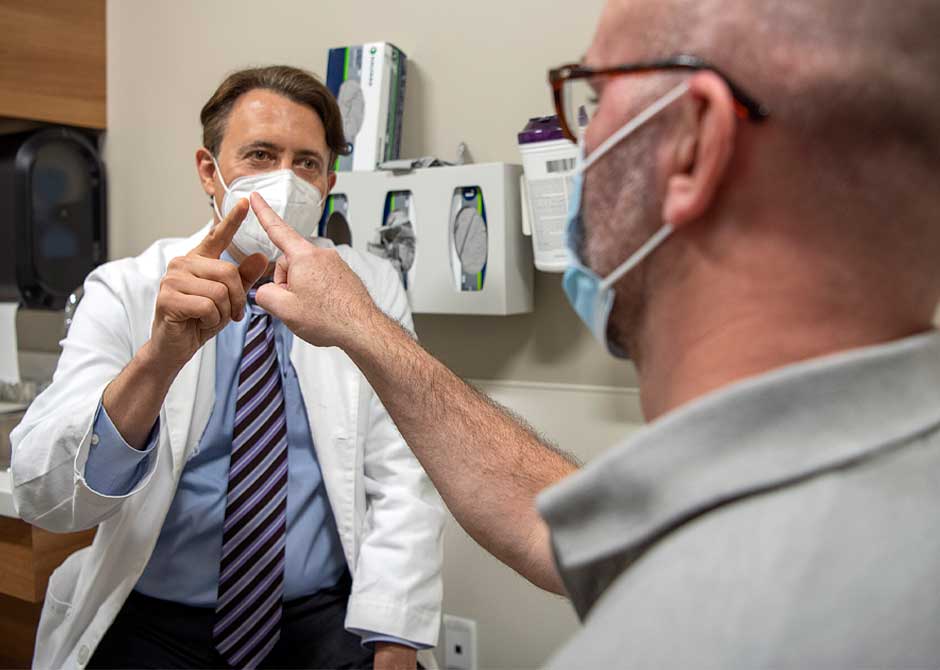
[752, 437]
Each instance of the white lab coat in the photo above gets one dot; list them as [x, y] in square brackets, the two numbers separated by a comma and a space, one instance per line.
[388, 514]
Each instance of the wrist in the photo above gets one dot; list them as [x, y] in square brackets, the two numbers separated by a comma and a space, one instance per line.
[360, 332]
[151, 362]
[373, 335]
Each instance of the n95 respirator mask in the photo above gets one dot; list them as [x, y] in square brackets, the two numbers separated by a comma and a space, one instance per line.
[299, 203]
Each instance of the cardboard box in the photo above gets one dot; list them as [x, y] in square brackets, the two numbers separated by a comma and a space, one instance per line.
[368, 81]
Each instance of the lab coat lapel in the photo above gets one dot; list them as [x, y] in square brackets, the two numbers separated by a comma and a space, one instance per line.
[330, 387]
[188, 404]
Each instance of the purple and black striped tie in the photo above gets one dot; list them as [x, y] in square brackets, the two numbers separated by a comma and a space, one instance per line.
[251, 577]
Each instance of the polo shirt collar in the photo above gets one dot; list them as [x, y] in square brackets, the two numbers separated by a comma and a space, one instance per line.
[755, 436]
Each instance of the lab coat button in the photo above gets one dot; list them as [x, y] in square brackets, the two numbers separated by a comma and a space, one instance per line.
[83, 655]
[94, 439]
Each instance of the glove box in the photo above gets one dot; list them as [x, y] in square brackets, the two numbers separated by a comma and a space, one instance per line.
[454, 234]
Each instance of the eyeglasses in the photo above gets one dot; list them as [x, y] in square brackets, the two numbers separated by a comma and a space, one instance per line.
[576, 96]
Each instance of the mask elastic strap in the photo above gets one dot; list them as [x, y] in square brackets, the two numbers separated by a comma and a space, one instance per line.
[218, 171]
[634, 123]
[639, 256]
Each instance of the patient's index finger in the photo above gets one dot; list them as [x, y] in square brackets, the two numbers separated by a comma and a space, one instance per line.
[284, 237]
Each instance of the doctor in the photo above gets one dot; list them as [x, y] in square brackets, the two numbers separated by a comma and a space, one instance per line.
[255, 504]
[773, 273]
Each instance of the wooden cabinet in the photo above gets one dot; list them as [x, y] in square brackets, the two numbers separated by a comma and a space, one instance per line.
[52, 61]
[18, 622]
[28, 555]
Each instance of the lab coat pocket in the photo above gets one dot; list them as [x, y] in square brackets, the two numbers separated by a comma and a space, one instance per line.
[61, 589]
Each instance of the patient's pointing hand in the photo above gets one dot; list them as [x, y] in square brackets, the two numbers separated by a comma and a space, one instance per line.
[314, 292]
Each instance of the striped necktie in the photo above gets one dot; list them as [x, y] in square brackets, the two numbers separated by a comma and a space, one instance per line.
[251, 576]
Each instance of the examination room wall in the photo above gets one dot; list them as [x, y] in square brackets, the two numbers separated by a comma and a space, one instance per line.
[476, 72]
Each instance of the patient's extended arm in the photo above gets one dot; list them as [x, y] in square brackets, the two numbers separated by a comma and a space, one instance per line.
[487, 464]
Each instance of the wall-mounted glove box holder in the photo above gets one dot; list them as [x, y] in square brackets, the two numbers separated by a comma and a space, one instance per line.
[454, 234]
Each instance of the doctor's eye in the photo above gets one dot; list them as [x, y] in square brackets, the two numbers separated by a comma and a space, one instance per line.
[260, 155]
[309, 164]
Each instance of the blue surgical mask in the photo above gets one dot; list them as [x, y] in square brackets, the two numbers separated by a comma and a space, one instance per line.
[591, 296]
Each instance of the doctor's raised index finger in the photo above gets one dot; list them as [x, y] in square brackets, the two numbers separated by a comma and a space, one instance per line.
[284, 237]
[220, 236]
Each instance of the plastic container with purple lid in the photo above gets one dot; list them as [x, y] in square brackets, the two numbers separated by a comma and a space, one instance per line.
[541, 129]
[548, 160]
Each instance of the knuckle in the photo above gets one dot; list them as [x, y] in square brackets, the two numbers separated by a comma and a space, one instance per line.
[207, 308]
[230, 274]
[218, 292]
[167, 286]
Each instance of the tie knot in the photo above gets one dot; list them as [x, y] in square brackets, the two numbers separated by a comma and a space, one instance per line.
[256, 310]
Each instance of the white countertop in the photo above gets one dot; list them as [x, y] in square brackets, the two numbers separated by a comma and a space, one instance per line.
[6, 495]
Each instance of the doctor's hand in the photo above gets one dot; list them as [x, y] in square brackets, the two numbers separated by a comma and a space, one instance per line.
[314, 292]
[200, 294]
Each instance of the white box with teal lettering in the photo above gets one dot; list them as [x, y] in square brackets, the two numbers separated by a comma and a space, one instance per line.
[368, 81]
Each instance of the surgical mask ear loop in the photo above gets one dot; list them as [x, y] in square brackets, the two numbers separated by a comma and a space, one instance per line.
[639, 256]
[628, 129]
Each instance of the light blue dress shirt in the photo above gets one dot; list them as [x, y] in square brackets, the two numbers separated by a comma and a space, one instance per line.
[184, 566]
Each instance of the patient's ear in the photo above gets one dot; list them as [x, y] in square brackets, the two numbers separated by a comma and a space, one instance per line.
[702, 152]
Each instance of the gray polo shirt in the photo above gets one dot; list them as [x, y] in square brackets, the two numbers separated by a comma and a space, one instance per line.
[791, 520]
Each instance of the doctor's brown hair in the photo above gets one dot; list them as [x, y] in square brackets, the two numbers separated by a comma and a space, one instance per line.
[295, 84]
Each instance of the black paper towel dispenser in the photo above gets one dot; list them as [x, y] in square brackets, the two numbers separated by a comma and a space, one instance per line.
[53, 215]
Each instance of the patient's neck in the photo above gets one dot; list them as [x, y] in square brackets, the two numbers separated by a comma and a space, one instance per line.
[691, 343]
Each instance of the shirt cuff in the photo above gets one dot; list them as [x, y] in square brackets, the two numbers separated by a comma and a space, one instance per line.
[369, 638]
[114, 467]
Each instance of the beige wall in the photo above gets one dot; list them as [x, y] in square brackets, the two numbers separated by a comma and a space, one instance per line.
[477, 71]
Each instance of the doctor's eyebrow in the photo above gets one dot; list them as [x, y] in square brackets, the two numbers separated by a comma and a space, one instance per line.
[264, 145]
[260, 144]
